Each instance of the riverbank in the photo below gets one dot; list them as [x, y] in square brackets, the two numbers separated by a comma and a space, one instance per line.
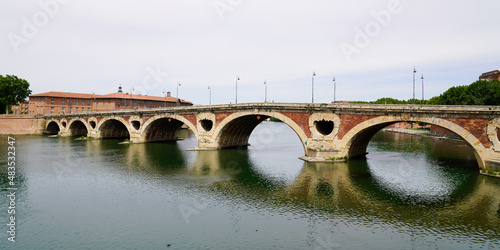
[421, 133]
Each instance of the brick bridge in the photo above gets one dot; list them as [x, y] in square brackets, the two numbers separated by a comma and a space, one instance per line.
[328, 132]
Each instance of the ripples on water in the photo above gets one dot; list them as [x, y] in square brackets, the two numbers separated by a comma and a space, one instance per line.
[410, 192]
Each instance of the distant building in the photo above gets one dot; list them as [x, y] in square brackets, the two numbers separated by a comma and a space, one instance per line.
[491, 75]
[20, 108]
[64, 102]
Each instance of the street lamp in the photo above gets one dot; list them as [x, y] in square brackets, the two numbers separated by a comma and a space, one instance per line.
[422, 88]
[132, 98]
[237, 79]
[178, 84]
[414, 71]
[334, 90]
[312, 92]
[209, 95]
[265, 95]
[165, 94]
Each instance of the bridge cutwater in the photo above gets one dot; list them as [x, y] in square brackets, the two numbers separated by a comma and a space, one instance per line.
[328, 132]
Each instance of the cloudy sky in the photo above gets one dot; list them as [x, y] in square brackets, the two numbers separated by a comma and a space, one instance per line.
[369, 46]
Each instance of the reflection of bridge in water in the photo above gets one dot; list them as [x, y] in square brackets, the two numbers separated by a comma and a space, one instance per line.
[343, 189]
[328, 132]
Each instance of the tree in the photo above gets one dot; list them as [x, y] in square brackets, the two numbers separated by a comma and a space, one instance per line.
[13, 90]
[478, 93]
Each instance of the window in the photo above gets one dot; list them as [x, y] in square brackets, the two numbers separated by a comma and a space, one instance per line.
[70, 109]
[83, 102]
[76, 109]
[63, 101]
[70, 102]
[63, 110]
[52, 100]
[76, 102]
[88, 109]
[52, 108]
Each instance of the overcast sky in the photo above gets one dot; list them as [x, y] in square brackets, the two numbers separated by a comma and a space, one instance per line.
[370, 47]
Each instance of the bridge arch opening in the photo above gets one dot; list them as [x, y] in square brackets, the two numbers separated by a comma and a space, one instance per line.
[52, 128]
[113, 128]
[163, 129]
[235, 130]
[361, 135]
[78, 128]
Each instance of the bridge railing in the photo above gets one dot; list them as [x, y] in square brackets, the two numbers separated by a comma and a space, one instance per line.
[330, 107]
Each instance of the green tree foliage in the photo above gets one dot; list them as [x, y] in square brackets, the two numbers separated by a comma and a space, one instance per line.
[12, 91]
[478, 93]
[388, 100]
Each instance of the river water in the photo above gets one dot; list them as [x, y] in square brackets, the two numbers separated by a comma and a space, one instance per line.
[410, 192]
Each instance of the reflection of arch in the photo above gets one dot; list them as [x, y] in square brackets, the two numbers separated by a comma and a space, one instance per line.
[235, 129]
[164, 127]
[113, 128]
[357, 139]
[53, 128]
[78, 127]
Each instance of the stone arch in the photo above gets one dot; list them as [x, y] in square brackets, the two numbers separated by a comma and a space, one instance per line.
[356, 140]
[113, 127]
[164, 128]
[53, 127]
[78, 127]
[235, 129]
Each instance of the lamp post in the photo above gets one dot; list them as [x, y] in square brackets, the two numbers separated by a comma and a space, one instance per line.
[312, 91]
[334, 90]
[165, 94]
[209, 95]
[265, 91]
[422, 88]
[178, 84]
[132, 98]
[237, 79]
[414, 71]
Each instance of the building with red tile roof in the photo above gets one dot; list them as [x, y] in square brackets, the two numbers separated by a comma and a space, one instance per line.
[65, 102]
[490, 75]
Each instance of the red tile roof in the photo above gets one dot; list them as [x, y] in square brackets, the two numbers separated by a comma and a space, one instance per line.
[63, 94]
[109, 96]
[140, 97]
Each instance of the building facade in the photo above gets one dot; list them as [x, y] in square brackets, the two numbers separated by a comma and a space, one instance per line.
[64, 102]
[491, 75]
[20, 108]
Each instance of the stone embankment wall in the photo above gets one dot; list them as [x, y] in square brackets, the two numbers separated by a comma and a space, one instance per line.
[21, 124]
